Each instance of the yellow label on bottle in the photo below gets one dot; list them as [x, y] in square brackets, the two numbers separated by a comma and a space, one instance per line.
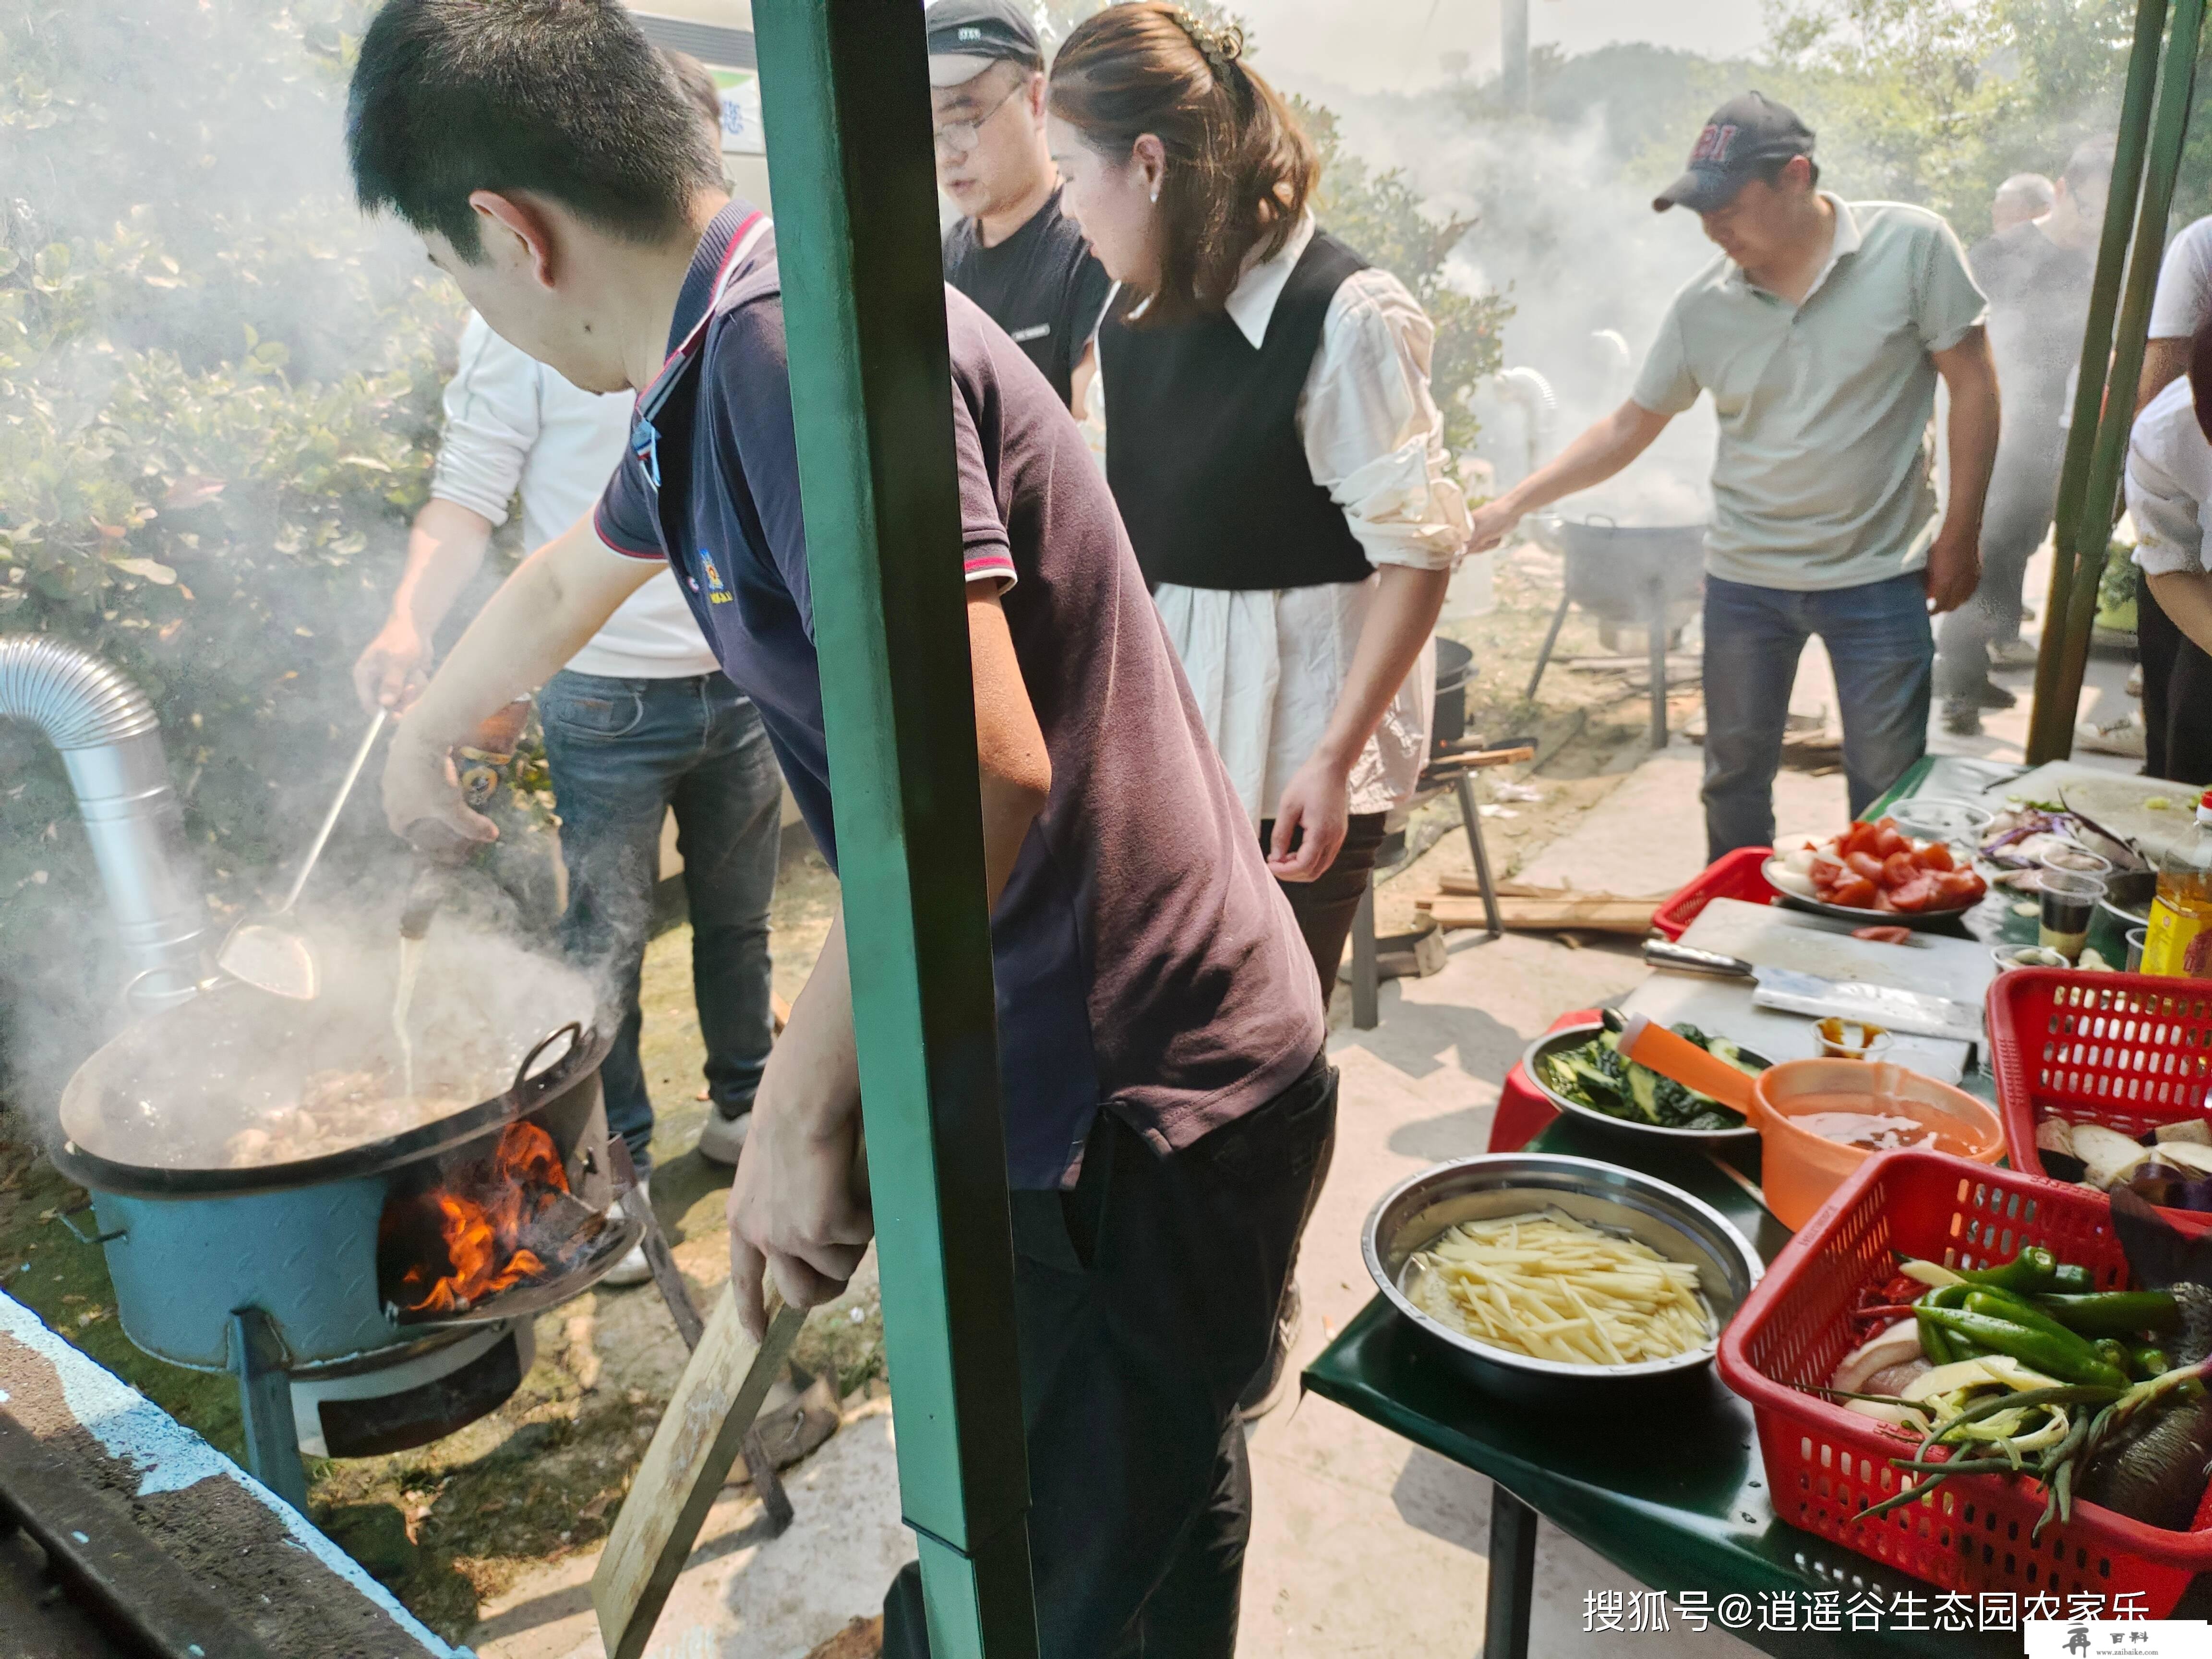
[2178, 942]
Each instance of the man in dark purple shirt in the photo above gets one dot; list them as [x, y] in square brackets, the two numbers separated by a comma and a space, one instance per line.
[1168, 1109]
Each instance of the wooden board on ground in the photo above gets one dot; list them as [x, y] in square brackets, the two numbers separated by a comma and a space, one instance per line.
[1524, 909]
[693, 1449]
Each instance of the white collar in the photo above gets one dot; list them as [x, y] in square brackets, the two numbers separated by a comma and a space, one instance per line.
[1252, 301]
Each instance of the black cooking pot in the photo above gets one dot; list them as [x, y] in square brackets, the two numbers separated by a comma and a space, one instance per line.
[1455, 668]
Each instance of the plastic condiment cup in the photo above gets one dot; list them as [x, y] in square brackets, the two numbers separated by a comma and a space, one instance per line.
[2069, 899]
[1799, 1169]
[2079, 859]
[1873, 1042]
[2138, 938]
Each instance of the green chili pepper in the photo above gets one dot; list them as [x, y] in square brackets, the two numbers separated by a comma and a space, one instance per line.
[2066, 1362]
[2148, 1359]
[2002, 1304]
[2114, 1313]
[2033, 1269]
[1940, 1348]
[2113, 1353]
[2071, 1280]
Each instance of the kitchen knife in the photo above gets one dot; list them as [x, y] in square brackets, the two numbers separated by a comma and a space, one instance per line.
[1916, 1013]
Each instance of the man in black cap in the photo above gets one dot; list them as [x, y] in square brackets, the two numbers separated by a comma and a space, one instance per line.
[1011, 251]
[1820, 333]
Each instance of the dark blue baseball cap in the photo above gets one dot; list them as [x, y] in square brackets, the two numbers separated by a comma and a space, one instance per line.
[1745, 134]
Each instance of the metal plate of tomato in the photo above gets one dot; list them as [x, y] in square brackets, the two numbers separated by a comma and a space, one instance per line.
[1884, 874]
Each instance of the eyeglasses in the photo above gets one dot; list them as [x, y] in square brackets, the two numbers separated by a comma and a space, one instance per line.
[960, 137]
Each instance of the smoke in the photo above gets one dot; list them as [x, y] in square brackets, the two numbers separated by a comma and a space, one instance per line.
[1571, 236]
[178, 1091]
[218, 386]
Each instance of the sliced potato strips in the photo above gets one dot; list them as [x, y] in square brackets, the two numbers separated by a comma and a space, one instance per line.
[1551, 1287]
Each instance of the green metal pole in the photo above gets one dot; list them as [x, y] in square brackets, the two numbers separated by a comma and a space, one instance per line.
[2130, 145]
[2093, 523]
[845, 92]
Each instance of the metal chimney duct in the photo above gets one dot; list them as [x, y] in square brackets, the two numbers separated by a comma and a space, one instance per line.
[110, 742]
[1513, 54]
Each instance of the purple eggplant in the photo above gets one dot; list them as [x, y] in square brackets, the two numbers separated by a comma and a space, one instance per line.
[2154, 1469]
[2171, 1188]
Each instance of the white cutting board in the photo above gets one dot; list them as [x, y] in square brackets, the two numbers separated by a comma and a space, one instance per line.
[1774, 937]
[1959, 968]
[2115, 799]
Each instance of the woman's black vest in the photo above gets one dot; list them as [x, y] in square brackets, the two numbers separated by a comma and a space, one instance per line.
[1202, 445]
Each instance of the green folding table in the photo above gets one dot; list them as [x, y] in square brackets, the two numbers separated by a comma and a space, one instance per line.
[1674, 1494]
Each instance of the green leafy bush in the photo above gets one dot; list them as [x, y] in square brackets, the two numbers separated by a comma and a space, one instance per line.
[217, 390]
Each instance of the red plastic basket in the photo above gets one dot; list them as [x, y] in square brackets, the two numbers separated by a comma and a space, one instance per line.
[1735, 875]
[1825, 1464]
[2126, 1051]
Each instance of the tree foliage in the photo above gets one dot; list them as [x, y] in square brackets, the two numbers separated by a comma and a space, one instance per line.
[217, 386]
[1929, 101]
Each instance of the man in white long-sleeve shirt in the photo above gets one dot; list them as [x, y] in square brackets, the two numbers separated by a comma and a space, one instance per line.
[2169, 485]
[642, 720]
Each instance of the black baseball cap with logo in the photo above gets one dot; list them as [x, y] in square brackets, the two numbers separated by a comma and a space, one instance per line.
[1745, 134]
[966, 37]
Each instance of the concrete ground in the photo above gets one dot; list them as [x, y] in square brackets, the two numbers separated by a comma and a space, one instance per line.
[1362, 1544]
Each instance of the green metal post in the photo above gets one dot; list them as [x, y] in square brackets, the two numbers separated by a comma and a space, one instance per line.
[2071, 614]
[2129, 144]
[844, 88]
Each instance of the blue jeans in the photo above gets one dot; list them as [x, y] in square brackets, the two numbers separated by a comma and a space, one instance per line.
[1879, 641]
[622, 752]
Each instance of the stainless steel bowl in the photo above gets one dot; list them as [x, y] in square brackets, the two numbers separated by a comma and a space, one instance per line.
[1573, 1037]
[1678, 1226]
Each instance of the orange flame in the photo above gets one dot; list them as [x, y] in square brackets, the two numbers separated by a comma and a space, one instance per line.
[482, 1232]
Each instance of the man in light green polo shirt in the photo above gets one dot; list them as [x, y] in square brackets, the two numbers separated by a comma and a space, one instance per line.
[1820, 332]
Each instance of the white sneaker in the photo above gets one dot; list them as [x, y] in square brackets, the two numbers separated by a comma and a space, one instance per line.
[2123, 736]
[632, 1268]
[2011, 653]
[722, 1138]
[2135, 681]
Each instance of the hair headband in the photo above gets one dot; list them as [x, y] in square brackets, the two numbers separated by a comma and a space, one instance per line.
[1220, 47]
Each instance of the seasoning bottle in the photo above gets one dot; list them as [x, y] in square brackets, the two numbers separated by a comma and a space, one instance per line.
[2179, 939]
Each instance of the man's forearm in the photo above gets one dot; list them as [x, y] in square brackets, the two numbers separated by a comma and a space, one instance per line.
[2164, 361]
[542, 616]
[445, 550]
[1598, 452]
[1972, 439]
[2185, 596]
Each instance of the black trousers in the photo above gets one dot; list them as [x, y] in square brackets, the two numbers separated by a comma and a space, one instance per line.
[1325, 905]
[2023, 495]
[1144, 1301]
[2177, 697]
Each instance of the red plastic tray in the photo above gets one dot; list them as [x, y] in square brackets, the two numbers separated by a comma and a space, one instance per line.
[1825, 1465]
[1523, 1112]
[2130, 1051]
[1735, 875]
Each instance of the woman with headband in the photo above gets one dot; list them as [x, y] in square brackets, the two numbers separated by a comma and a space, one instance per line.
[1273, 446]
[1270, 438]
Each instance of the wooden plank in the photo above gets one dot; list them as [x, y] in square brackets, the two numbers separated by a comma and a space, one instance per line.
[698, 1439]
[1629, 917]
[1454, 881]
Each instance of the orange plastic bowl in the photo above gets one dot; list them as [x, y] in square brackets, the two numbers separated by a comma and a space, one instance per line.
[1799, 1169]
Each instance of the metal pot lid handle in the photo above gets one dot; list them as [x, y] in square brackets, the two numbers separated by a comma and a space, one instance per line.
[574, 1031]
